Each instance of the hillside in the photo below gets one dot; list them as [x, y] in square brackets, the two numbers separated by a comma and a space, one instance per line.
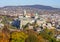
[41, 9]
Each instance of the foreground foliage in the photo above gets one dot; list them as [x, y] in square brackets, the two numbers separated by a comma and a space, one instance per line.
[27, 36]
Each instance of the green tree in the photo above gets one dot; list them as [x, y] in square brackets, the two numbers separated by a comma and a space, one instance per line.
[52, 40]
[48, 35]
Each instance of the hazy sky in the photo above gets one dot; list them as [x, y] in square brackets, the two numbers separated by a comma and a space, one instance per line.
[53, 3]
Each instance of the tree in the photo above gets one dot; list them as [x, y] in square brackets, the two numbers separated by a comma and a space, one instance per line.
[5, 34]
[18, 37]
[48, 35]
[32, 38]
[52, 40]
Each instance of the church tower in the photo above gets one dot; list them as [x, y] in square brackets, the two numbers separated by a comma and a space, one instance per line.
[25, 13]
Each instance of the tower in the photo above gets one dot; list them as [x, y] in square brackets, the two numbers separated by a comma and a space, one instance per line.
[25, 13]
[36, 15]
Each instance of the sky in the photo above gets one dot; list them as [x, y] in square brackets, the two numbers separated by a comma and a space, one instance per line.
[53, 3]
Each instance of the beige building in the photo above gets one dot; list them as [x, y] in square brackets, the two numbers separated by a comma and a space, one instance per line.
[24, 21]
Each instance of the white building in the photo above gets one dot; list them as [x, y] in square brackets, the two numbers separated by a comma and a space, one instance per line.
[24, 21]
[1, 25]
[58, 37]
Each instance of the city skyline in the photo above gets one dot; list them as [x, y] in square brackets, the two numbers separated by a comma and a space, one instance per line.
[53, 3]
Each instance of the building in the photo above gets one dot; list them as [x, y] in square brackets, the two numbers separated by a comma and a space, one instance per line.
[58, 37]
[16, 23]
[1, 25]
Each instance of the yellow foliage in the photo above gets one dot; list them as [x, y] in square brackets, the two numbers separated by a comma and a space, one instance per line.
[18, 36]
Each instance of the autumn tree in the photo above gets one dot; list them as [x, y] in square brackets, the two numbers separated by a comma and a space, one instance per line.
[33, 37]
[5, 34]
[18, 36]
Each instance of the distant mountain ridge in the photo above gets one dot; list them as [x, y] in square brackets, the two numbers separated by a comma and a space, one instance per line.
[31, 9]
[36, 6]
